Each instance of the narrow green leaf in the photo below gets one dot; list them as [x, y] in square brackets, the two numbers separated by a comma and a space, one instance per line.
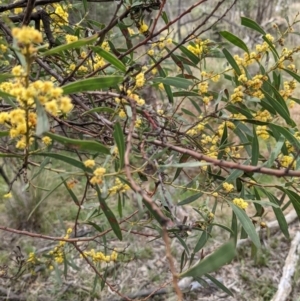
[183, 158]
[80, 144]
[286, 133]
[185, 93]
[120, 141]
[273, 49]
[73, 45]
[234, 228]
[110, 58]
[275, 152]
[190, 199]
[166, 87]
[109, 215]
[246, 223]
[293, 74]
[66, 159]
[8, 99]
[295, 199]
[177, 82]
[71, 193]
[223, 142]
[201, 242]
[211, 263]
[187, 164]
[5, 76]
[255, 149]
[189, 54]
[4, 133]
[252, 24]
[232, 61]
[280, 108]
[234, 40]
[278, 213]
[219, 285]
[92, 84]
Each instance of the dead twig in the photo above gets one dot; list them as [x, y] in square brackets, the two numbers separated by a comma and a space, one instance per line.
[285, 284]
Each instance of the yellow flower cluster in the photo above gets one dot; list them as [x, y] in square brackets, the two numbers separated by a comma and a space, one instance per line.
[229, 124]
[122, 114]
[240, 203]
[119, 187]
[288, 89]
[136, 98]
[99, 62]
[138, 123]
[58, 252]
[140, 80]
[289, 146]
[100, 257]
[60, 15]
[27, 35]
[237, 95]
[287, 161]
[210, 75]
[143, 27]
[196, 129]
[98, 175]
[203, 87]
[206, 139]
[8, 195]
[23, 119]
[207, 99]
[234, 150]
[32, 258]
[228, 187]
[264, 116]
[70, 38]
[199, 47]
[262, 132]
[89, 163]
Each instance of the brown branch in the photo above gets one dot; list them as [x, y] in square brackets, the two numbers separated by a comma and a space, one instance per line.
[194, 154]
[171, 264]
[28, 12]
[163, 220]
[55, 238]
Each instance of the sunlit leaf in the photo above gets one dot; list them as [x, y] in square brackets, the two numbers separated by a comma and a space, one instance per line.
[73, 45]
[120, 141]
[252, 24]
[211, 263]
[92, 84]
[110, 58]
[80, 144]
[246, 224]
[234, 40]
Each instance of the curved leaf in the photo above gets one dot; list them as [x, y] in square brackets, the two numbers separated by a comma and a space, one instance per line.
[109, 215]
[232, 61]
[92, 84]
[220, 257]
[73, 45]
[234, 40]
[80, 144]
[120, 141]
[110, 58]
[246, 223]
[252, 24]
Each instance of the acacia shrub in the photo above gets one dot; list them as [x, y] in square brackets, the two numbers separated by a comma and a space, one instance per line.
[83, 96]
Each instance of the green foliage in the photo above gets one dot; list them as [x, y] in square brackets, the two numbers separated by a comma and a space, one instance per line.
[127, 106]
